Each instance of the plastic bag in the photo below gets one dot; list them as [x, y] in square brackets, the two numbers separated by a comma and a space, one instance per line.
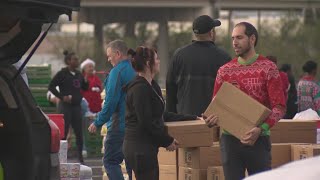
[308, 114]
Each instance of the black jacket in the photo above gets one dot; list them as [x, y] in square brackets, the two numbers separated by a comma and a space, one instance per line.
[145, 114]
[191, 76]
[68, 85]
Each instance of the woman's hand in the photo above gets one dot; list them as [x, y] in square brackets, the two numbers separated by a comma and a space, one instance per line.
[173, 146]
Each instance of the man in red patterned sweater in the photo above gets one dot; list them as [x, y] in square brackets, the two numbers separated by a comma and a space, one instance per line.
[259, 78]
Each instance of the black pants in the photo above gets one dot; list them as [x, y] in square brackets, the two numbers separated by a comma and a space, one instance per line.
[237, 158]
[73, 117]
[143, 159]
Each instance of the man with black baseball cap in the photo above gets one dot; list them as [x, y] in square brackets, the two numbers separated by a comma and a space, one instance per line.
[204, 24]
[192, 71]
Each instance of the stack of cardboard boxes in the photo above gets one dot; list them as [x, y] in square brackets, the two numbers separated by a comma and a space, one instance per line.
[293, 140]
[194, 162]
[198, 158]
[68, 171]
[168, 164]
[197, 151]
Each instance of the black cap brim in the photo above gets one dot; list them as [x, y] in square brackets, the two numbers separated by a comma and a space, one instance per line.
[216, 23]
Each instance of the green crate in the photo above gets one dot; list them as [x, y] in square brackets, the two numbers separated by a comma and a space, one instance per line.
[93, 148]
[38, 76]
[44, 104]
[40, 95]
[39, 67]
[38, 89]
[40, 99]
[39, 81]
[39, 85]
[52, 109]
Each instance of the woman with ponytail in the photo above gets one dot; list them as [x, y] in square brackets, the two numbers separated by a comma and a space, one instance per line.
[70, 83]
[145, 116]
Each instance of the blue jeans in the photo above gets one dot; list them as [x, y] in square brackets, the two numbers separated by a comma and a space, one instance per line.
[113, 156]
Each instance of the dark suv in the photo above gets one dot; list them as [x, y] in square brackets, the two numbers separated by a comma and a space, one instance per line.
[29, 140]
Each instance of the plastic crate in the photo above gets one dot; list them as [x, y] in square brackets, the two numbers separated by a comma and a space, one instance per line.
[40, 98]
[49, 110]
[38, 85]
[39, 81]
[45, 104]
[39, 67]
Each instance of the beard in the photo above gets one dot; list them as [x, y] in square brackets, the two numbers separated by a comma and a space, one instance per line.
[244, 50]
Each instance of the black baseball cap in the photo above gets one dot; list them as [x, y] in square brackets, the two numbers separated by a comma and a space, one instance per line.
[204, 24]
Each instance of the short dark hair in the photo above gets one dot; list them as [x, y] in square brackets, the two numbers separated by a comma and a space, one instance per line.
[249, 31]
[131, 52]
[309, 66]
[285, 68]
[141, 56]
[67, 56]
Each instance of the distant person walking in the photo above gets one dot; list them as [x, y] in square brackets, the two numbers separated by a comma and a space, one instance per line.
[70, 83]
[113, 111]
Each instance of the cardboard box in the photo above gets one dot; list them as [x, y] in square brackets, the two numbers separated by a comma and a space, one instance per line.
[70, 170]
[167, 157]
[294, 131]
[318, 136]
[191, 133]
[215, 173]
[64, 170]
[192, 174]
[304, 151]
[200, 158]
[216, 133]
[238, 112]
[168, 172]
[281, 154]
[63, 151]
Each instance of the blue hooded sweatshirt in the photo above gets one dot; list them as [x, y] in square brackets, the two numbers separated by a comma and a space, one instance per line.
[113, 111]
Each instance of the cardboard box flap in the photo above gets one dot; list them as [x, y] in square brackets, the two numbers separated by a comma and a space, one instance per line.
[297, 120]
[231, 99]
[185, 123]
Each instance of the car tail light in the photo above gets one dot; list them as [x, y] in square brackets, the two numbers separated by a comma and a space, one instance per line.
[55, 137]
